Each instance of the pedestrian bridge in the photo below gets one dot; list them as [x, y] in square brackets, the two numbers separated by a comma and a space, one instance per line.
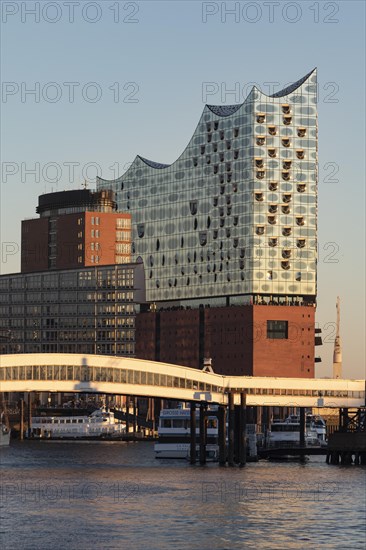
[53, 372]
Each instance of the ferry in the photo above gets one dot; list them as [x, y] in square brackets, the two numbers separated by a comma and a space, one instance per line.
[100, 424]
[174, 435]
[286, 433]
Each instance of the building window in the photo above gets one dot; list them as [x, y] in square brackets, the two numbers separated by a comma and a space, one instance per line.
[92, 233]
[97, 221]
[277, 330]
[97, 233]
[92, 220]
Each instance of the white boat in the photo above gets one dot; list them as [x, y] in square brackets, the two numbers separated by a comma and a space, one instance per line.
[174, 435]
[319, 425]
[286, 433]
[4, 435]
[100, 424]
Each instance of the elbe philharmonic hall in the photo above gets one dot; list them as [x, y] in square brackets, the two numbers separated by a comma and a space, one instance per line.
[211, 257]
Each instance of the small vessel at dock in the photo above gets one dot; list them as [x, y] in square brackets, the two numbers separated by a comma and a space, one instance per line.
[174, 435]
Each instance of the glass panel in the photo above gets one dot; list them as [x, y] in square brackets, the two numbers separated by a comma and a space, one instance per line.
[77, 373]
[70, 373]
[28, 371]
[136, 377]
[50, 373]
[143, 377]
[43, 372]
[35, 373]
[117, 375]
[156, 379]
[21, 373]
[63, 372]
[163, 380]
[14, 373]
[130, 377]
[182, 383]
[123, 376]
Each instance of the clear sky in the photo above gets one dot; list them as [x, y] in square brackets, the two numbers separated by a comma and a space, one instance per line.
[114, 79]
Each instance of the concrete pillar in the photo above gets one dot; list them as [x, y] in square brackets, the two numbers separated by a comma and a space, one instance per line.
[193, 434]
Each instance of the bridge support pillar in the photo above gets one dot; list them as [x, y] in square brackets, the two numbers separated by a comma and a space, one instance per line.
[193, 434]
[203, 432]
[134, 417]
[127, 414]
[243, 430]
[302, 427]
[21, 420]
[222, 435]
[231, 430]
[29, 413]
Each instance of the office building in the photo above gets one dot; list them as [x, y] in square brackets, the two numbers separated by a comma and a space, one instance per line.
[75, 229]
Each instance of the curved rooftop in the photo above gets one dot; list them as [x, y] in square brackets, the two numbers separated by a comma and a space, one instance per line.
[226, 111]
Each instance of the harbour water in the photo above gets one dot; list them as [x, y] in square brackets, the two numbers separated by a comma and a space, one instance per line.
[116, 495]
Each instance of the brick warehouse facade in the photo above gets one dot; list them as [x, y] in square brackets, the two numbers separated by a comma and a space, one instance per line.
[238, 339]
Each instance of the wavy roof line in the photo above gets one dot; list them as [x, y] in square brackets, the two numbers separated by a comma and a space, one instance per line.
[289, 89]
[228, 110]
[153, 164]
[224, 110]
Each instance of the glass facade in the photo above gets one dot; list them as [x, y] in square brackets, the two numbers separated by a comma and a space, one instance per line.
[236, 214]
[86, 310]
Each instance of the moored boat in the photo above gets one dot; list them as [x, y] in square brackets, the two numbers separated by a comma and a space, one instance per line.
[174, 435]
[100, 424]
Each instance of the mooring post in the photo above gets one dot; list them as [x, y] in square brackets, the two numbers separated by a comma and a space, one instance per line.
[29, 414]
[243, 430]
[21, 420]
[222, 435]
[231, 430]
[203, 432]
[193, 434]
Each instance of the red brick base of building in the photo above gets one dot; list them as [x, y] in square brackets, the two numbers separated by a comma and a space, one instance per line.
[250, 340]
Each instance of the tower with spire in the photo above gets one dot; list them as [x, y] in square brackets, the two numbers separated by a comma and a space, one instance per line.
[337, 353]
